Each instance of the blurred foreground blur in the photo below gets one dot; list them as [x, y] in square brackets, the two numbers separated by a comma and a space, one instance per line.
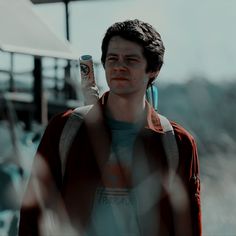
[207, 110]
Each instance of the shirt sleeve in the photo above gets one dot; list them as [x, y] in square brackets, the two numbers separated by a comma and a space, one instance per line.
[189, 171]
[45, 179]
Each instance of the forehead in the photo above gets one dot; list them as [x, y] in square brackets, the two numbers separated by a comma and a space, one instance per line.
[118, 45]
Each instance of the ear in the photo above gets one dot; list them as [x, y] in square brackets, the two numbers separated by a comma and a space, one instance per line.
[154, 74]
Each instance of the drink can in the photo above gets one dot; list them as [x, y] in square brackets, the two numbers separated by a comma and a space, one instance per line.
[89, 87]
[86, 70]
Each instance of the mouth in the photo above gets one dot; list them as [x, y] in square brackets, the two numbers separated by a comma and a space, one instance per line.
[119, 79]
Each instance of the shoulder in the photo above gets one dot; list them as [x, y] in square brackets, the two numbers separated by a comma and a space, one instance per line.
[187, 150]
[48, 146]
[186, 144]
[60, 118]
[182, 134]
[54, 127]
[58, 121]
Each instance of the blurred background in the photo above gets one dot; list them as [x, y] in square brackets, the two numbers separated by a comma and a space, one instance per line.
[40, 43]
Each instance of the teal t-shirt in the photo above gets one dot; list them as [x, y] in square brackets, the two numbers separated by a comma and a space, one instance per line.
[115, 206]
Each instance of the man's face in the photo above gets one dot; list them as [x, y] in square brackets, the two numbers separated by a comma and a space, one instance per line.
[125, 67]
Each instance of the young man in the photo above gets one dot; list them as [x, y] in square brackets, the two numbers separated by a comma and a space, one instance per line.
[117, 176]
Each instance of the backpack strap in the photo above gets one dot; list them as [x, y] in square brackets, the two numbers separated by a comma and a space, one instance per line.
[69, 132]
[76, 118]
[170, 146]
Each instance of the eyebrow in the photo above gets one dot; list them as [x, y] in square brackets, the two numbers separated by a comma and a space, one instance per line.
[111, 54]
[128, 55]
[133, 55]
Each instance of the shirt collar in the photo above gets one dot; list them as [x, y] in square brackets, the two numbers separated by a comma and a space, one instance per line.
[152, 118]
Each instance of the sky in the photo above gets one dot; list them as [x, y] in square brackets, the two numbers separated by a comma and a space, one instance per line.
[199, 36]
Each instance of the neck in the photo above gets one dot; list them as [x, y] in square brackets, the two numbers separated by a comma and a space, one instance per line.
[126, 108]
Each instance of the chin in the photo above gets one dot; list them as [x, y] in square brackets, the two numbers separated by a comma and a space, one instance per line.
[121, 91]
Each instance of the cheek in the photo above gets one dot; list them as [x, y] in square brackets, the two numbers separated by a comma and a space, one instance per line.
[143, 80]
[146, 79]
[107, 74]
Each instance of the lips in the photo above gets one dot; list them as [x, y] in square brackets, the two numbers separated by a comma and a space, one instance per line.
[119, 78]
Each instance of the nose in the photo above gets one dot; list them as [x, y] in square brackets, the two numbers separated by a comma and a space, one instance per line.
[119, 65]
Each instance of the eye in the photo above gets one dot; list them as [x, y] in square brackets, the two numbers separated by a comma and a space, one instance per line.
[132, 60]
[111, 58]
